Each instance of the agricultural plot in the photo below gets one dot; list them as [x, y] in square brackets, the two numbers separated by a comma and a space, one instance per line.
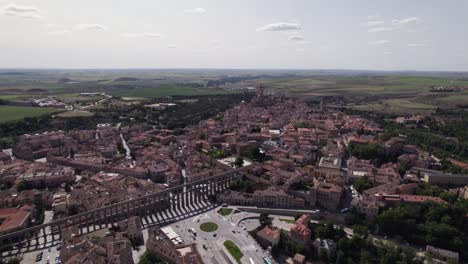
[13, 113]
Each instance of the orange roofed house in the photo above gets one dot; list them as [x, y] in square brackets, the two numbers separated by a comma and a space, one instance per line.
[301, 232]
[268, 237]
[13, 219]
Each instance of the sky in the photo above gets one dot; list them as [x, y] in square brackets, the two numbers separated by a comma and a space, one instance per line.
[424, 35]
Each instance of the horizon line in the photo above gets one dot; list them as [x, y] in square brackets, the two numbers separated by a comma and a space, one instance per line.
[233, 69]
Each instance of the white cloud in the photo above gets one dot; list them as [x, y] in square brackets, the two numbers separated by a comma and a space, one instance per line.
[417, 45]
[374, 23]
[198, 10]
[296, 38]
[280, 26]
[96, 27]
[59, 32]
[404, 21]
[55, 29]
[373, 17]
[21, 11]
[396, 24]
[151, 35]
[216, 44]
[379, 42]
[200, 52]
[141, 35]
[380, 29]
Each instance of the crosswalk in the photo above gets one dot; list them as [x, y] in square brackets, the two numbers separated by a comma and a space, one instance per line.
[176, 214]
[181, 206]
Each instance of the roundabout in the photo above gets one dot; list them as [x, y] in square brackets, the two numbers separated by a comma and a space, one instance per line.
[209, 227]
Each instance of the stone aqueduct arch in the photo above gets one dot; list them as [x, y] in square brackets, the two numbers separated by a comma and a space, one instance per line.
[169, 199]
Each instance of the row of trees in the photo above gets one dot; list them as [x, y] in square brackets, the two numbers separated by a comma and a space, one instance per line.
[243, 185]
[362, 183]
[367, 152]
[185, 114]
[440, 225]
[360, 248]
[150, 258]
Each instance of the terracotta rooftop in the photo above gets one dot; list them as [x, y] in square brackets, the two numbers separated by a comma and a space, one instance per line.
[268, 232]
[11, 218]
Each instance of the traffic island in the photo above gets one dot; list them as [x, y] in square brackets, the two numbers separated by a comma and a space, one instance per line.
[209, 227]
[234, 250]
[225, 211]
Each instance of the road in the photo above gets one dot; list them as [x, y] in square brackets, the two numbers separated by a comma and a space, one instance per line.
[213, 241]
[107, 97]
[50, 250]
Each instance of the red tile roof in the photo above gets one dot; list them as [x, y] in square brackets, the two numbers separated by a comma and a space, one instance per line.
[12, 218]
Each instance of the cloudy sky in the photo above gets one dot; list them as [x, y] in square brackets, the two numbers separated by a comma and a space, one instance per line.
[286, 34]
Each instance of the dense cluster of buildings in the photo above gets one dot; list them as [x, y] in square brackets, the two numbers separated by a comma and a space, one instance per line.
[160, 243]
[300, 157]
[78, 171]
[300, 233]
[104, 246]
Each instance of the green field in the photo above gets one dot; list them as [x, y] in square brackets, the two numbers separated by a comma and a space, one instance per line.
[12, 113]
[155, 92]
[224, 211]
[209, 227]
[365, 85]
[384, 92]
[234, 250]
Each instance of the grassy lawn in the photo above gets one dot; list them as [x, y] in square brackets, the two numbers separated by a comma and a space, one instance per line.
[12, 113]
[209, 227]
[289, 221]
[224, 211]
[234, 250]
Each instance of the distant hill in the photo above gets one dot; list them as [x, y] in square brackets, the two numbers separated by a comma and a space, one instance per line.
[65, 80]
[126, 79]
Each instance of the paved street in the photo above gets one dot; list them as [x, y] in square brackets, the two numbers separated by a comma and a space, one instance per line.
[50, 251]
[233, 227]
[227, 230]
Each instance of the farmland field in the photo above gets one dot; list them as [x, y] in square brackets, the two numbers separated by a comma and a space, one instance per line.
[12, 113]
[397, 106]
[405, 92]
[155, 92]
